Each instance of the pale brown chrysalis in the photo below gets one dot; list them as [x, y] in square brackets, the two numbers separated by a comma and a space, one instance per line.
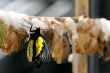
[14, 39]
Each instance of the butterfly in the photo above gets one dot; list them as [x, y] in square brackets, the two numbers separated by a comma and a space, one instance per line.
[38, 50]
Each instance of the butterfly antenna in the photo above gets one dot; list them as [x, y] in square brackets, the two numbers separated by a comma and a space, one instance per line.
[29, 23]
[24, 25]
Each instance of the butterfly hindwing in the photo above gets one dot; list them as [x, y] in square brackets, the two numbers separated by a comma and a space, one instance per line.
[46, 54]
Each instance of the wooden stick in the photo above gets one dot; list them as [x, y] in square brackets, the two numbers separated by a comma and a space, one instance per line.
[80, 62]
[77, 8]
[81, 7]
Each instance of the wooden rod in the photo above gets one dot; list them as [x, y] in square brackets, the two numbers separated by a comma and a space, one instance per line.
[80, 61]
[81, 7]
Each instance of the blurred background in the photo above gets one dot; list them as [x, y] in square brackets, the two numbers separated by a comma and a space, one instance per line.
[17, 63]
[40, 7]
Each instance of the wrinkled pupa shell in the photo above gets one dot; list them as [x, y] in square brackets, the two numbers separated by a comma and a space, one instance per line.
[89, 41]
[14, 39]
[60, 48]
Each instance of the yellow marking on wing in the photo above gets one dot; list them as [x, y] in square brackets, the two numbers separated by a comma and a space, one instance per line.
[30, 50]
[39, 45]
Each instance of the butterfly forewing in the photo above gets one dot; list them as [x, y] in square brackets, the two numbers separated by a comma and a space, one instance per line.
[30, 50]
[39, 45]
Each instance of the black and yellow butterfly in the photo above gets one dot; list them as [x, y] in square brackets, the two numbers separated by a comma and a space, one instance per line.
[38, 50]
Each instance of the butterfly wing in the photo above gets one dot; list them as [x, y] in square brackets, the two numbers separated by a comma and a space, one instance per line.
[42, 50]
[37, 50]
[30, 50]
[46, 54]
[39, 46]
